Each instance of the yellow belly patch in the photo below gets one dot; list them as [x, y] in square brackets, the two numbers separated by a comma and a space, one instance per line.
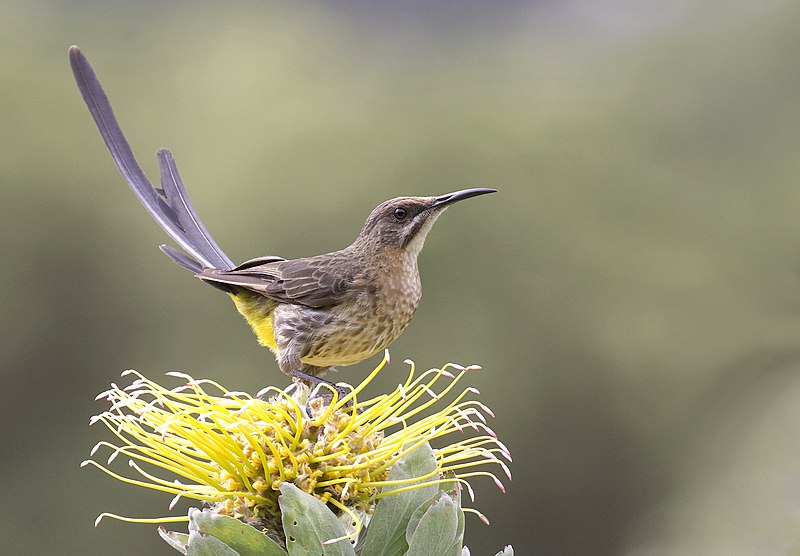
[257, 310]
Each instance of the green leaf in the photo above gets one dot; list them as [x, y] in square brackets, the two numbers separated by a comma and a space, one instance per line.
[507, 551]
[454, 491]
[206, 545]
[436, 531]
[417, 516]
[178, 541]
[308, 523]
[457, 548]
[386, 535]
[244, 539]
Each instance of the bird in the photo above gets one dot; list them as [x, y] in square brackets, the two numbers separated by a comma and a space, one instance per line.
[313, 313]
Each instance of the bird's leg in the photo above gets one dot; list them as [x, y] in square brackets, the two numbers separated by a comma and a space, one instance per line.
[317, 380]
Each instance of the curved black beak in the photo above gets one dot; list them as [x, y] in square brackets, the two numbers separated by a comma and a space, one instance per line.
[450, 198]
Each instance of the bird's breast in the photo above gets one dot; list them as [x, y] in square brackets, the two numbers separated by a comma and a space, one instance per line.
[395, 293]
[400, 290]
[363, 326]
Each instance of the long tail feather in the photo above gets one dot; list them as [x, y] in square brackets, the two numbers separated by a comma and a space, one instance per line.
[170, 206]
[181, 259]
[190, 222]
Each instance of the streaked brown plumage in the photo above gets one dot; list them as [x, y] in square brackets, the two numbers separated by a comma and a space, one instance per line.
[313, 313]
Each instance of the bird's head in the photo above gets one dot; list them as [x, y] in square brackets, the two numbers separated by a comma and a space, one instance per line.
[404, 222]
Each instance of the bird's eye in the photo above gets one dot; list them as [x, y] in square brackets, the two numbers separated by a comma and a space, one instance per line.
[400, 213]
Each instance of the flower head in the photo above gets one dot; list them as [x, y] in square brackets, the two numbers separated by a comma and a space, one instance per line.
[233, 451]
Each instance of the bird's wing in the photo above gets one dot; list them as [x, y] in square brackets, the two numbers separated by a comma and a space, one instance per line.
[313, 282]
[259, 261]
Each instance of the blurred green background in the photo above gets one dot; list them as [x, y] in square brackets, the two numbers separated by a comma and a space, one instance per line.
[633, 293]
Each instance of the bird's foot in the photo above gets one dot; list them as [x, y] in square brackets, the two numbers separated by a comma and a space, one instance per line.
[327, 393]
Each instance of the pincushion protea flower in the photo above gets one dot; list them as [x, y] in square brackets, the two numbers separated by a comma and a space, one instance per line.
[246, 457]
